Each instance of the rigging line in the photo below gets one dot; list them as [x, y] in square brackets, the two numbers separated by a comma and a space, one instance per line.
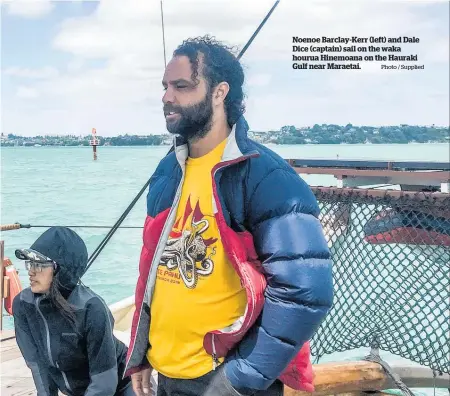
[163, 36]
[257, 30]
[74, 226]
[113, 230]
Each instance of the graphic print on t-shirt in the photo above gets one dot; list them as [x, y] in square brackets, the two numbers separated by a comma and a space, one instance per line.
[188, 254]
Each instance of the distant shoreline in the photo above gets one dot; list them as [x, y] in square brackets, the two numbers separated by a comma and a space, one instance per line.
[287, 135]
[268, 144]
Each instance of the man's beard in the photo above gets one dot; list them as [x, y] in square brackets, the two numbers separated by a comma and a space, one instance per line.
[194, 122]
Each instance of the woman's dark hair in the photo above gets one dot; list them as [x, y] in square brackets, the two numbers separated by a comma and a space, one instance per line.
[59, 302]
[219, 65]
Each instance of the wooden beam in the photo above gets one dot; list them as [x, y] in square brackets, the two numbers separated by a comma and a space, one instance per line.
[440, 176]
[369, 164]
[379, 193]
[334, 378]
[5, 286]
[338, 378]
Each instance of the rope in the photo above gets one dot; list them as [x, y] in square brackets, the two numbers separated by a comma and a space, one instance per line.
[86, 226]
[111, 232]
[374, 356]
[10, 227]
[17, 226]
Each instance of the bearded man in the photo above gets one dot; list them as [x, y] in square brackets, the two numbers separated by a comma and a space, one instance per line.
[235, 274]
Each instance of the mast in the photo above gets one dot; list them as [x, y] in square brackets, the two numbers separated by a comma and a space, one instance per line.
[163, 37]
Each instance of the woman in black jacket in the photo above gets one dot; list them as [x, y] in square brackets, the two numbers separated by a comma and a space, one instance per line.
[64, 330]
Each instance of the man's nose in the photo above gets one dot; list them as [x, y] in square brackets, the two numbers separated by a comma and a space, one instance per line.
[168, 96]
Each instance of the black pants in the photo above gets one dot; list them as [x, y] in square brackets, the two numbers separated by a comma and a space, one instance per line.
[196, 387]
[126, 391]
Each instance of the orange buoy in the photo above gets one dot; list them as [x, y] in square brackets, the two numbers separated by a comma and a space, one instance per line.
[11, 284]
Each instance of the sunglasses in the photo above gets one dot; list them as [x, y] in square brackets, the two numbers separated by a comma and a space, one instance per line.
[38, 266]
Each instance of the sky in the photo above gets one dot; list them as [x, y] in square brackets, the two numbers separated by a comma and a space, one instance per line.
[70, 66]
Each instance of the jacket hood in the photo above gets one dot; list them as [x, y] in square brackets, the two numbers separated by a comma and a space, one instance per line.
[67, 249]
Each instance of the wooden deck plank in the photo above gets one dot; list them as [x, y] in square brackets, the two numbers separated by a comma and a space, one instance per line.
[10, 382]
[17, 386]
[12, 365]
[10, 354]
[16, 378]
[5, 334]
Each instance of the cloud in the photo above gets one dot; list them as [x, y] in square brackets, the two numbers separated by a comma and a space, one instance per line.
[438, 50]
[26, 93]
[28, 8]
[75, 65]
[259, 80]
[44, 73]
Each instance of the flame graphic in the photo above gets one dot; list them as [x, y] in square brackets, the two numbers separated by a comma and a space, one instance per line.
[196, 215]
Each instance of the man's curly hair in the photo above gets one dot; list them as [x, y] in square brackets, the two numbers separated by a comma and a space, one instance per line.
[219, 64]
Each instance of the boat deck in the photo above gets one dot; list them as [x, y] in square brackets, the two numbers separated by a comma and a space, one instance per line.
[350, 378]
[16, 377]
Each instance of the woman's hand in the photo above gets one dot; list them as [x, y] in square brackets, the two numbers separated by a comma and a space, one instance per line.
[141, 381]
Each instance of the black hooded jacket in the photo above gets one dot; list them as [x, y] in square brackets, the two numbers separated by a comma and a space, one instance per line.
[85, 359]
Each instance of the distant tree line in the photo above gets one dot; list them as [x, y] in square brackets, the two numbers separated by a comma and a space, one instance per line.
[349, 134]
[288, 134]
[150, 140]
[71, 140]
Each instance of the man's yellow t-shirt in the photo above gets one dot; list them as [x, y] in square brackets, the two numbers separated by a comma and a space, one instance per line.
[197, 289]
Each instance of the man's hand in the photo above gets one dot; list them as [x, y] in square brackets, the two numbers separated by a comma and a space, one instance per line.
[141, 381]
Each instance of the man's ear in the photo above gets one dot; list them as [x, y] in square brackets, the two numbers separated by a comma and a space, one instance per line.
[220, 93]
